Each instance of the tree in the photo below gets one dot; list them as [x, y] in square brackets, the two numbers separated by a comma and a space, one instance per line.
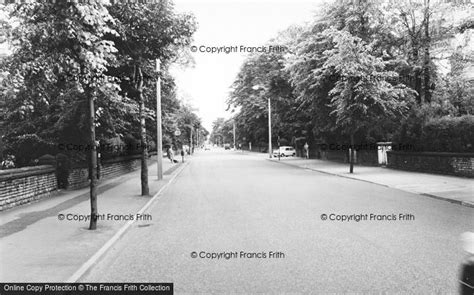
[264, 76]
[429, 28]
[372, 22]
[147, 32]
[364, 92]
[221, 131]
[188, 122]
[68, 36]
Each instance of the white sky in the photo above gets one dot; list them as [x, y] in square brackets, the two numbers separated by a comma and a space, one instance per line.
[230, 23]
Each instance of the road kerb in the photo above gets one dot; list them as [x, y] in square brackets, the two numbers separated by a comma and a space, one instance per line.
[93, 260]
[459, 202]
[329, 173]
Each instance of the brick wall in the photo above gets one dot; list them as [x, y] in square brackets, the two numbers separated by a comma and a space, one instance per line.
[23, 185]
[116, 167]
[78, 177]
[441, 163]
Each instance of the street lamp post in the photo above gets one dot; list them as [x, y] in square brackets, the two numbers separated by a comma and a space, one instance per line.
[257, 87]
[278, 142]
[234, 135]
[270, 128]
[159, 144]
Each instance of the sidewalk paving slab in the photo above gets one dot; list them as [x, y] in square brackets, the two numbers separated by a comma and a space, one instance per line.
[459, 190]
[35, 246]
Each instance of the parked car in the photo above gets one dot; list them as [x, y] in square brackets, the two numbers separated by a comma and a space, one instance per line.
[285, 151]
[227, 146]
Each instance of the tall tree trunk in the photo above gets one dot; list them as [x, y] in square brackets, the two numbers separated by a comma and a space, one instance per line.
[417, 72]
[197, 138]
[351, 156]
[191, 140]
[144, 147]
[92, 164]
[426, 97]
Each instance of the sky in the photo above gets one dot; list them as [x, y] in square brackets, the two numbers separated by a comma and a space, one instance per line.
[230, 23]
[250, 23]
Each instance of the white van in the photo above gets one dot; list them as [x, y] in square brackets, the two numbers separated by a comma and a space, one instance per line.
[285, 151]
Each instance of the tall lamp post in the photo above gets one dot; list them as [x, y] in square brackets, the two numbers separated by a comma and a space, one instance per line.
[257, 87]
[159, 143]
[270, 129]
[233, 135]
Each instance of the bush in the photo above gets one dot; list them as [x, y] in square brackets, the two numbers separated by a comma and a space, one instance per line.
[151, 144]
[449, 134]
[63, 166]
[284, 141]
[26, 148]
[132, 145]
[437, 134]
[46, 160]
[8, 163]
[112, 147]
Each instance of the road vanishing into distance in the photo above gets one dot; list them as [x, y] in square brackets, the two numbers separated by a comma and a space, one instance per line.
[234, 222]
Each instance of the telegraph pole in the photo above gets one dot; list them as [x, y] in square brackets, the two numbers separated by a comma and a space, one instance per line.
[159, 143]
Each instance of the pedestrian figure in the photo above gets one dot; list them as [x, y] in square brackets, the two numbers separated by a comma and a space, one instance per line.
[467, 267]
[306, 150]
[182, 155]
[170, 155]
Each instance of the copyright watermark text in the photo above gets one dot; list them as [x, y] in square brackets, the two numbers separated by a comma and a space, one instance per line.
[108, 217]
[239, 49]
[367, 217]
[227, 255]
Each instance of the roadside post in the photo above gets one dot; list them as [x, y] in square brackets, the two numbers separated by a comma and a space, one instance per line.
[279, 148]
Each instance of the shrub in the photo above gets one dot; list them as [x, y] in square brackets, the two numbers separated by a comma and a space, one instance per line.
[112, 147]
[437, 134]
[8, 163]
[46, 160]
[28, 147]
[449, 134]
[151, 145]
[132, 145]
[62, 170]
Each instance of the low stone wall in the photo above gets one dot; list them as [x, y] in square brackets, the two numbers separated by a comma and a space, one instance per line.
[23, 185]
[79, 176]
[433, 162]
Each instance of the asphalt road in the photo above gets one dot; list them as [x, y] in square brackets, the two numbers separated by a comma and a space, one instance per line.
[238, 204]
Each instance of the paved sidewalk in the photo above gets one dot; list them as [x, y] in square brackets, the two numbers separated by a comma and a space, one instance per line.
[454, 189]
[36, 246]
